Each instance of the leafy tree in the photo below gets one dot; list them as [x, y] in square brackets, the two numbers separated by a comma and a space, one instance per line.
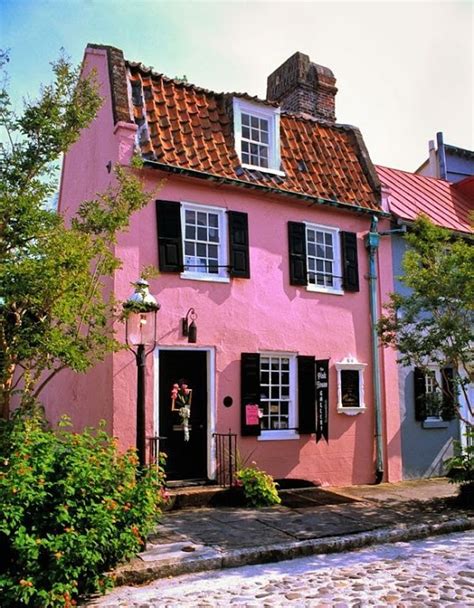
[53, 312]
[434, 322]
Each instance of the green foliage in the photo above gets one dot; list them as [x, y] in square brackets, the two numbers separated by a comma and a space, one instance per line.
[259, 488]
[460, 468]
[434, 322]
[72, 508]
[54, 313]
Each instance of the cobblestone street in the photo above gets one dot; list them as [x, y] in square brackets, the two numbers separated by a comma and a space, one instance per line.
[435, 572]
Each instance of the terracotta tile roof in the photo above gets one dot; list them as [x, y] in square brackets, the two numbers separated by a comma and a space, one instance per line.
[182, 125]
[444, 203]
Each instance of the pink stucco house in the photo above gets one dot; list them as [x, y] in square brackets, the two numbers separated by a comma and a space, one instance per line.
[259, 226]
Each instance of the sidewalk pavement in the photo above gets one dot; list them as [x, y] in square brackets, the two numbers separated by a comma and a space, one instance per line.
[311, 520]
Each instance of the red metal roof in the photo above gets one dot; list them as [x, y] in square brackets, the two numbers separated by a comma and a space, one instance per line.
[443, 202]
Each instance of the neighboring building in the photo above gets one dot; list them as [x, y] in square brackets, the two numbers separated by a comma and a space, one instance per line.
[259, 227]
[427, 433]
[447, 162]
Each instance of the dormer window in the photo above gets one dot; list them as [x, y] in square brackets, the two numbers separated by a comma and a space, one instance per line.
[257, 136]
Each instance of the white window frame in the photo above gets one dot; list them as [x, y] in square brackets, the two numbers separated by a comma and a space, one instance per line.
[291, 433]
[350, 363]
[267, 113]
[337, 262]
[222, 276]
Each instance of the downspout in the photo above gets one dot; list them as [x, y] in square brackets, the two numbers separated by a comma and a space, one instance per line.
[372, 241]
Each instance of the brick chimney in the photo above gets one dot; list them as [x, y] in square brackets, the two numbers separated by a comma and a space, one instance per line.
[303, 87]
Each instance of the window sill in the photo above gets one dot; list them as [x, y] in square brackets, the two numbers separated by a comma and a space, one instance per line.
[314, 288]
[264, 170]
[435, 423]
[350, 411]
[195, 276]
[278, 435]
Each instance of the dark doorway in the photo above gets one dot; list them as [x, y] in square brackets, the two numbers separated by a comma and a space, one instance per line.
[186, 459]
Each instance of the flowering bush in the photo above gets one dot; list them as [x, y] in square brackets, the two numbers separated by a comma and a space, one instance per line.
[72, 508]
[259, 488]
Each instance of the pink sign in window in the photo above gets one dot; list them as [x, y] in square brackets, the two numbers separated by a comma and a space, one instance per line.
[252, 417]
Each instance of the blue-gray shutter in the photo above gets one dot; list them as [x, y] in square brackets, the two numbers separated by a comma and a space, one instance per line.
[306, 395]
[350, 269]
[249, 389]
[239, 259]
[297, 253]
[170, 248]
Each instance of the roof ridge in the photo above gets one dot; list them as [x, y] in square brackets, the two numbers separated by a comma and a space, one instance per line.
[189, 85]
[429, 177]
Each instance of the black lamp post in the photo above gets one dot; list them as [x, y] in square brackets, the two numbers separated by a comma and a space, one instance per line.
[140, 335]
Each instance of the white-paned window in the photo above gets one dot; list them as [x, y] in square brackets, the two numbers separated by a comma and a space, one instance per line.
[257, 136]
[433, 394]
[278, 395]
[323, 258]
[204, 232]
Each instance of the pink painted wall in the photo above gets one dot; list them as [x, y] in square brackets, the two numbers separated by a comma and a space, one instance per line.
[87, 398]
[263, 313]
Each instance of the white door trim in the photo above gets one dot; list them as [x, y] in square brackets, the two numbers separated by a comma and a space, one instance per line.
[211, 398]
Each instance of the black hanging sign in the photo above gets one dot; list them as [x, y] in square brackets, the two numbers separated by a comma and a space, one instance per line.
[322, 399]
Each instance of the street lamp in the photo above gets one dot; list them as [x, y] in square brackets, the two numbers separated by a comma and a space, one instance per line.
[140, 336]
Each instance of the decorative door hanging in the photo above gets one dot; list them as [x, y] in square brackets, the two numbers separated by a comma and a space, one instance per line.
[181, 396]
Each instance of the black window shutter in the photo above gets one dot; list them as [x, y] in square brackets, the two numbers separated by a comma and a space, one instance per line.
[448, 410]
[249, 389]
[297, 253]
[350, 269]
[170, 249]
[239, 261]
[420, 393]
[306, 395]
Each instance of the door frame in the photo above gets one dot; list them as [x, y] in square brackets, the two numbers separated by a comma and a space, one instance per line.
[211, 398]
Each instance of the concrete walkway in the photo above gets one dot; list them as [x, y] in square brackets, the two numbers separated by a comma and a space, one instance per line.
[309, 521]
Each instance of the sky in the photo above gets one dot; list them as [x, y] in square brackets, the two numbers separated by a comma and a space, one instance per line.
[404, 69]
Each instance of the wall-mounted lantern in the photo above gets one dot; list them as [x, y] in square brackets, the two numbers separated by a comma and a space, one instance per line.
[189, 327]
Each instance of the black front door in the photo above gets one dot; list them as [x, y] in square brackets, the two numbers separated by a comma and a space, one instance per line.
[186, 459]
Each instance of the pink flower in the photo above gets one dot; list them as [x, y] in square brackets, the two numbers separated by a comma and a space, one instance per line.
[186, 391]
[184, 387]
[176, 386]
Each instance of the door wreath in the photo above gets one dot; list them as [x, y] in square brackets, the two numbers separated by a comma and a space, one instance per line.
[181, 396]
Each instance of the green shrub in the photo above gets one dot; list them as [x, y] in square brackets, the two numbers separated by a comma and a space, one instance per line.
[72, 507]
[259, 488]
[460, 468]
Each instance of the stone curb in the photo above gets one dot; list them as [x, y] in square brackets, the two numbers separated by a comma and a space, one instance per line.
[138, 572]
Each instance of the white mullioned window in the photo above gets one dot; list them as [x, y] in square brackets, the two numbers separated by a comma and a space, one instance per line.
[257, 135]
[204, 232]
[323, 258]
[278, 395]
[433, 393]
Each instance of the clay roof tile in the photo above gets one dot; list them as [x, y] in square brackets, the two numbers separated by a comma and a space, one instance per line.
[190, 126]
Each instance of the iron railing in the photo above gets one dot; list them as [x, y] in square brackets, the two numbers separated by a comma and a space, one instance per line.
[154, 448]
[226, 458]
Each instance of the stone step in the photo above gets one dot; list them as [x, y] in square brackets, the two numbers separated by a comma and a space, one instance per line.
[208, 496]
